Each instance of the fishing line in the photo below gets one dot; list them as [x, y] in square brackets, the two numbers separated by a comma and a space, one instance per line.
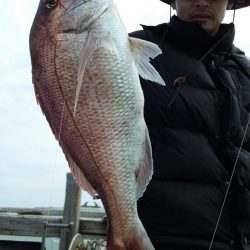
[234, 10]
[207, 53]
[61, 120]
[170, 12]
[229, 184]
[55, 163]
[43, 246]
[61, 4]
[53, 169]
[181, 79]
[234, 15]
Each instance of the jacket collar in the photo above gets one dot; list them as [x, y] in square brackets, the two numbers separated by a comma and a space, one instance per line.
[190, 35]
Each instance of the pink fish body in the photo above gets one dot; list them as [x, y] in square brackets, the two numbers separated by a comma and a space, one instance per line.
[85, 74]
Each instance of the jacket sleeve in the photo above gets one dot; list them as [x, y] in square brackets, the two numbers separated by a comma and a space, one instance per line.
[244, 81]
[244, 76]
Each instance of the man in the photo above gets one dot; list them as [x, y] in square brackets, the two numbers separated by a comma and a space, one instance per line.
[200, 133]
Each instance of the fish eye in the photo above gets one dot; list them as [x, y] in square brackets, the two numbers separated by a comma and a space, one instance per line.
[51, 3]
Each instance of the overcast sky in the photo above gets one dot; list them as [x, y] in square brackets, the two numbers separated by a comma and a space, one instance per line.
[32, 166]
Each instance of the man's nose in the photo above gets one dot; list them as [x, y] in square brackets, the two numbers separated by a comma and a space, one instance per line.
[202, 3]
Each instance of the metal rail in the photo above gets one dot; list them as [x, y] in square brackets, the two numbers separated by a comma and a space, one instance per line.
[54, 225]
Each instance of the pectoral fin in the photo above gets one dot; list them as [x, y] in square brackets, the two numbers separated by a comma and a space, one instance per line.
[142, 51]
[93, 42]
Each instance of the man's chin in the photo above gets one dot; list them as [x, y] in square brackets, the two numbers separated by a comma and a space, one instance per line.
[210, 30]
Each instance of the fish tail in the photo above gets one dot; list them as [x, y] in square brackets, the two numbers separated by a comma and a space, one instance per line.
[138, 241]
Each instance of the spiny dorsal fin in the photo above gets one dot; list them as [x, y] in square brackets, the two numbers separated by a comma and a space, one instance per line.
[142, 51]
[93, 42]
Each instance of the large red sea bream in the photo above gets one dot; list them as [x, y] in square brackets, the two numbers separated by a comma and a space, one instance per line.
[85, 73]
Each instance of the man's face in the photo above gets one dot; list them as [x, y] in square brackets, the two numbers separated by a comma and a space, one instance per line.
[207, 13]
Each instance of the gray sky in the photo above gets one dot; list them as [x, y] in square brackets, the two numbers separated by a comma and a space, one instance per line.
[32, 165]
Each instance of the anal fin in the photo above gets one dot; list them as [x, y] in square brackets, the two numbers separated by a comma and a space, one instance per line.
[145, 172]
[80, 178]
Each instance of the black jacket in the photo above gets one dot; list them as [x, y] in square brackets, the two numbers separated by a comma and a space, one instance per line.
[196, 130]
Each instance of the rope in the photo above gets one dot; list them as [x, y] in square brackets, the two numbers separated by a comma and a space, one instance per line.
[92, 245]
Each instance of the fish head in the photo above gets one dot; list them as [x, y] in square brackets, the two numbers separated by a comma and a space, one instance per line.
[54, 17]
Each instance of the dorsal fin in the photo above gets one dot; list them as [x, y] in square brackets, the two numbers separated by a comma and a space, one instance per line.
[142, 51]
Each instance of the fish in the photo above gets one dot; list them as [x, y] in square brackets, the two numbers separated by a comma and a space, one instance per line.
[85, 72]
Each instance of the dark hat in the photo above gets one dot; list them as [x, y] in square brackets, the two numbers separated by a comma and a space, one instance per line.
[237, 3]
